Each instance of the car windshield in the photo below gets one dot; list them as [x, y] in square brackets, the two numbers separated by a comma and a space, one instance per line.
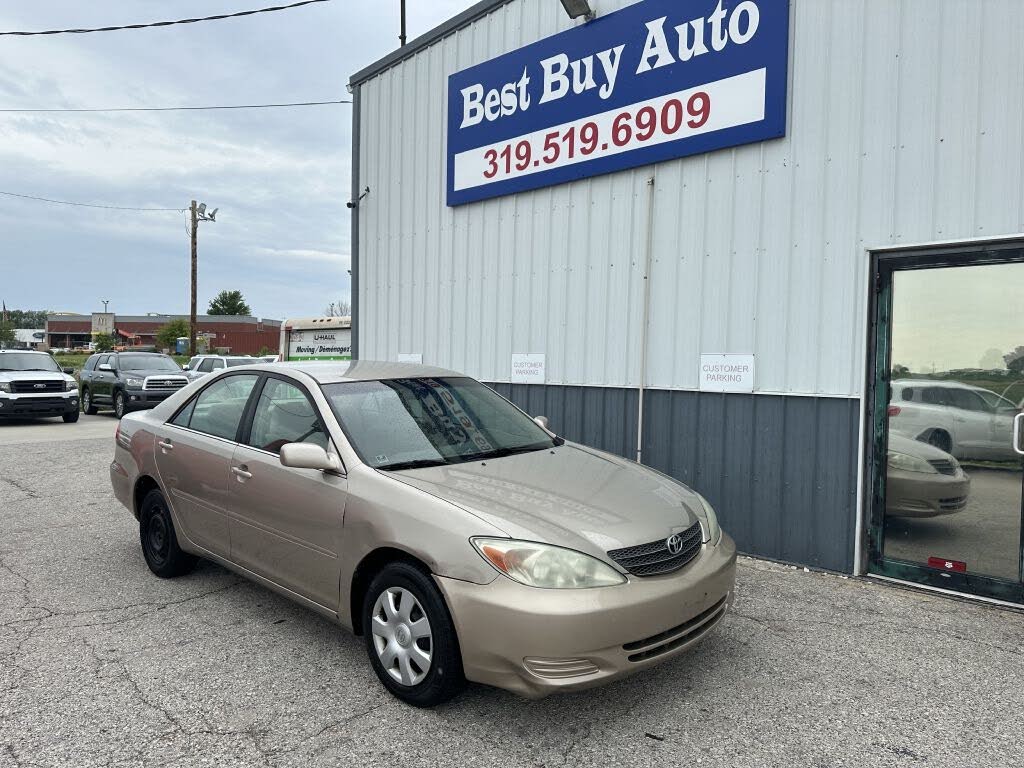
[233, 361]
[422, 422]
[27, 361]
[994, 401]
[147, 363]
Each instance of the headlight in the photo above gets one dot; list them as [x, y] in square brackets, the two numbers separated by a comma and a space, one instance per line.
[909, 463]
[4, 386]
[133, 383]
[709, 520]
[70, 386]
[541, 565]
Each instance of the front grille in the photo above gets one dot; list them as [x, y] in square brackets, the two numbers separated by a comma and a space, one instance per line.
[31, 387]
[943, 466]
[164, 383]
[654, 558]
[671, 639]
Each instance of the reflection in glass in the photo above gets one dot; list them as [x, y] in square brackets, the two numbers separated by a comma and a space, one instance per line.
[953, 479]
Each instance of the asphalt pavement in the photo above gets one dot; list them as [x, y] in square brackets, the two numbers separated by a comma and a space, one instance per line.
[103, 664]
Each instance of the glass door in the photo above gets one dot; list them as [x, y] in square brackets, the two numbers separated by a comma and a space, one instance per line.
[948, 411]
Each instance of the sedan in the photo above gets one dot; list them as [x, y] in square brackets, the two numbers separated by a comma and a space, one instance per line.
[414, 506]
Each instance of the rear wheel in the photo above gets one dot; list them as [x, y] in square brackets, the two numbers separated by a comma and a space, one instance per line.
[87, 404]
[120, 405]
[71, 418]
[940, 439]
[410, 637]
[159, 541]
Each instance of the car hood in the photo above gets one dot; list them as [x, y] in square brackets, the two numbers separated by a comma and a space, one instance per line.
[157, 373]
[569, 496]
[906, 445]
[34, 376]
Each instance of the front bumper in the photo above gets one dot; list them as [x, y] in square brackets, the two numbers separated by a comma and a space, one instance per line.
[27, 406]
[538, 641]
[916, 494]
[141, 399]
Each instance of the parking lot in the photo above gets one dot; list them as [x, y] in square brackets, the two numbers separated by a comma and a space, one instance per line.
[102, 663]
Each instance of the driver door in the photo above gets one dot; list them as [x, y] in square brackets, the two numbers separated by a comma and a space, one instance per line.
[286, 523]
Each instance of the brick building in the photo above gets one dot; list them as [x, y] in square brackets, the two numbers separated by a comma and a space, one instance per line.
[236, 334]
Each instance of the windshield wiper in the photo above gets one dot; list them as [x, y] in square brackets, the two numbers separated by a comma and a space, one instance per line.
[414, 464]
[498, 453]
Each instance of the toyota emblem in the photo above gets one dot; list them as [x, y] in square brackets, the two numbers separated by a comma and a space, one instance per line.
[674, 543]
[39, 386]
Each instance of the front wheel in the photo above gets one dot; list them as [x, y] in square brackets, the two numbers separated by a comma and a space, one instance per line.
[120, 405]
[159, 541]
[410, 637]
[71, 418]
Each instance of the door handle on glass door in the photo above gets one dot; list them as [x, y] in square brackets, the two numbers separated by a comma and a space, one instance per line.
[1016, 433]
[242, 473]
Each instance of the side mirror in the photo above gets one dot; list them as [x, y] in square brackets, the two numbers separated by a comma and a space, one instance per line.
[68, 371]
[184, 367]
[308, 456]
[542, 422]
[104, 367]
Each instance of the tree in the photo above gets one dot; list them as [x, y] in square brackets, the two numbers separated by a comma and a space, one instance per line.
[7, 335]
[27, 318]
[340, 308]
[229, 303]
[1015, 360]
[900, 370]
[167, 335]
[104, 342]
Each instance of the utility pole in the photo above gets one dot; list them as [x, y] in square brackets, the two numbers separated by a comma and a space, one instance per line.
[401, 36]
[192, 306]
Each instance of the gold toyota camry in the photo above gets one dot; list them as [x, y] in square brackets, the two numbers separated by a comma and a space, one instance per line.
[416, 507]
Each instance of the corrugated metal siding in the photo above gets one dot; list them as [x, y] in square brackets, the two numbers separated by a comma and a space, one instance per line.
[905, 126]
[780, 471]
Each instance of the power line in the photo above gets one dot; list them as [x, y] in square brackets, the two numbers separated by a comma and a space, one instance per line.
[86, 205]
[218, 17]
[184, 109]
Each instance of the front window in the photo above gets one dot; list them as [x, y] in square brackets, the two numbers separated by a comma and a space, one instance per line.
[17, 361]
[406, 423]
[146, 363]
[285, 415]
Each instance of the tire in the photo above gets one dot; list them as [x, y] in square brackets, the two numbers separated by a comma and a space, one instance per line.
[390, 623]
[120, 405]
[159, 541]
[940, 439]
[71, 418]
[87, 404]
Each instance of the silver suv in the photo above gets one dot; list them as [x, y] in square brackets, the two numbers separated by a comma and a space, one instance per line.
[32, 385]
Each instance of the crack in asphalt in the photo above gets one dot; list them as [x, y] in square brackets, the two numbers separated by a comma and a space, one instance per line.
[18, 485]
[346, 720]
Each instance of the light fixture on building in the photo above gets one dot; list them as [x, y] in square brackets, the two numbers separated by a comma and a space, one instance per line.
[578, 8]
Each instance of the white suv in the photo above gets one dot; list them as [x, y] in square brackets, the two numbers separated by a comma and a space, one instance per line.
[200, 365]
[968, 422]
[32, 385]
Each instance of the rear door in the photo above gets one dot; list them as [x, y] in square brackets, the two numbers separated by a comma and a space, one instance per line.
[286, 524]
[193, 458]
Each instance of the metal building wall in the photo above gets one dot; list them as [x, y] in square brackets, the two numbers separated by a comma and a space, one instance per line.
[905, 125]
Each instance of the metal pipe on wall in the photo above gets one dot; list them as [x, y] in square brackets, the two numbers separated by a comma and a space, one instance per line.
[648, 250]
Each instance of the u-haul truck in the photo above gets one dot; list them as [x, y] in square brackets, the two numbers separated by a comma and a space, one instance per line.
[316, 338]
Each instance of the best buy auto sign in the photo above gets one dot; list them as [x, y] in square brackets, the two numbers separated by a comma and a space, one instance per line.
[657, 80]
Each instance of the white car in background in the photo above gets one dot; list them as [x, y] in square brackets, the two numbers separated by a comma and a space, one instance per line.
[200, 365]
[968, 422]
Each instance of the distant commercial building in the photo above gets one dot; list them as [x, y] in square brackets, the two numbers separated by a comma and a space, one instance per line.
[235, 334]
[29, 338]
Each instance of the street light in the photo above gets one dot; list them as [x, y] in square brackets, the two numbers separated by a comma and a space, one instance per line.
[104, 302]
[578, 8]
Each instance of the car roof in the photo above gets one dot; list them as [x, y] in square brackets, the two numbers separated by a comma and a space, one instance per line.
[334, 371]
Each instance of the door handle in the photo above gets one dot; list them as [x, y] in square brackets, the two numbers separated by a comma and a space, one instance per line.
[241, 473]
[1016, 432]
[166, 445]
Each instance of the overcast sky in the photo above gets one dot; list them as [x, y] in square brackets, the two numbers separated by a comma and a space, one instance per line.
[280, 177]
